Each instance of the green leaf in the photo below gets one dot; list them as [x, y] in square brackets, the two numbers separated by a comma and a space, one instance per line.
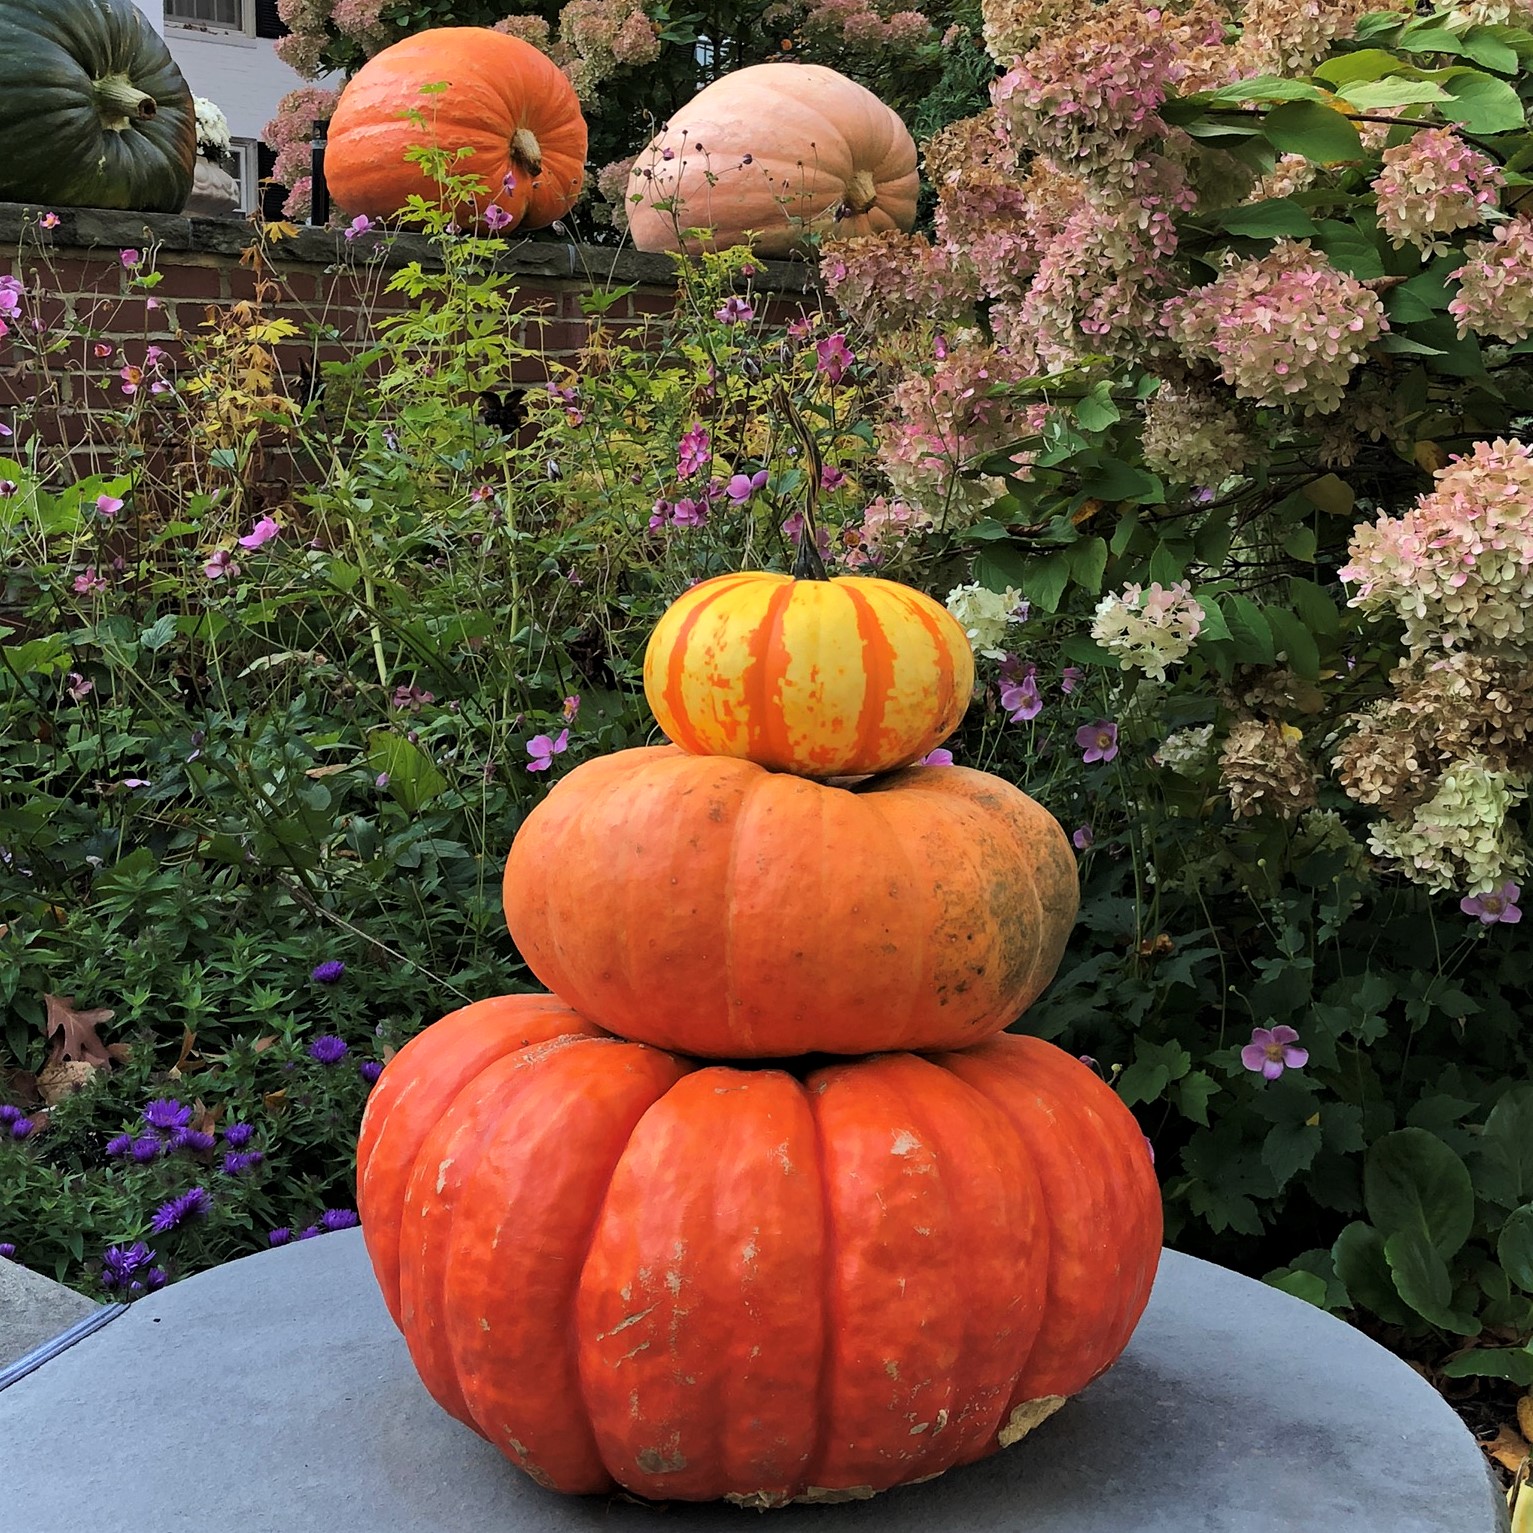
[1413, 1181]
[1096, 411]
[1193, 1093]
[1289, 1149]
[1350, 249]
[1482, 103]
[1514, 1363]
[1299, 543]
[1484, 46]
[1319, 133]
[1272, 219]
[1361, 1265]
[1514, 1247]
[1422, 1279]
[1314, 605]
[1296, 641]
[1365, 64]
[1265, 88]
[1503, 1169]
[1155, 1066]
[1302, 1285]
[1088, 563]
[413, 778]
[1249, 631]
[1399, 90]
[43, 656]
[1330, 494]
[159, 634]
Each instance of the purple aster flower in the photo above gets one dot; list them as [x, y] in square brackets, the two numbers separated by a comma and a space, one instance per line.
[238, 1162]
[1098, 742]
[120, 1264]
[9, 1114]
[166, 1113]
[1083, 839]
[120, 1146]
[339, 1219]
[1499, 905]
[238, 1135]
[328, 1050]
[194, 1203]
[309, 1233]
[370, 1070]
[279, 1236]
[154, 1278]
[1271, 1051]
[145, 1148]
[328, 972]
[192, 1139]
[7, 1249]
[21, 1127]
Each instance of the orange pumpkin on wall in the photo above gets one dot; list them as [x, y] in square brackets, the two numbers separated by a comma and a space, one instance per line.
[500, 97]
[828, 678]
[621, 1267]
[706, 904]
[779, 151]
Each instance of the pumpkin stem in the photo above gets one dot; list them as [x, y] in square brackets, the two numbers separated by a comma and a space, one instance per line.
[526, 149]
[807, 564]
[861, 194]
[121, 102]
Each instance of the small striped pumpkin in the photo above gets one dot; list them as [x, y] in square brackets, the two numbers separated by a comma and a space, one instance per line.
[822, 678]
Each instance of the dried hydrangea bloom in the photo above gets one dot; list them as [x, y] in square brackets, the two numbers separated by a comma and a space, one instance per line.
[1150, 629]
[1292, 173]
[1281, 37]
[890, 280]
[1187, 752]
[1193, 435]
[1495, 295]
[530, 28]
[1380, 764]
[1432, 185]
[1284, 329]
[1458, 567]
[1012, 27]
[1264, 771]
[612, 186]
[1462, 837]
[603, 36]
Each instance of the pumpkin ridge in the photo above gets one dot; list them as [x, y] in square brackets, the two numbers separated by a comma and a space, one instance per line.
[766, 728]
[830, 1318]
[673, 695]
[948, 690]
[898, 1037]
[878, 675]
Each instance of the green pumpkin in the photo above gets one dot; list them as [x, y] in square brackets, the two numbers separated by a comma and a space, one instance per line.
[93, 111]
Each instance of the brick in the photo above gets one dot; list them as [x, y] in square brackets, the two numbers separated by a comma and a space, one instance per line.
[205, 282]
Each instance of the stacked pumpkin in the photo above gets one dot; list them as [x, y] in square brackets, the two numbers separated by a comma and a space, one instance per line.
[627, 1262]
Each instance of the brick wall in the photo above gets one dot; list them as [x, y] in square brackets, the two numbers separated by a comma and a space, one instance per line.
[83, 319]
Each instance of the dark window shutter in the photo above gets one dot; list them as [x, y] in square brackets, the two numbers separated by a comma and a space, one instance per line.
[272, 196]
[267, 22]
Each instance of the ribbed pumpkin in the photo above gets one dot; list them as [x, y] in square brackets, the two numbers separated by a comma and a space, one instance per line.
[706, 904]
[699, 1282]
[93, 111]
[779, 151]
[507, 102]
[828, 678]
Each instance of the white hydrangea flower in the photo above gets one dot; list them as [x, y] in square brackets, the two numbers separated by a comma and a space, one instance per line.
[1187, 752]
[1461, 838]
[1148, 630]
[984, 615]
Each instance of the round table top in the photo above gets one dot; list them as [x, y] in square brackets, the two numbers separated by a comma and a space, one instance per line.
[275, 1393]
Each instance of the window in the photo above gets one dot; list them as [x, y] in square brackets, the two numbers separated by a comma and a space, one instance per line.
[226, 14]
[244, 166]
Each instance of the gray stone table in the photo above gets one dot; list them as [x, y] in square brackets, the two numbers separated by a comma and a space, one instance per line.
[274, 1393]
[33, 1311]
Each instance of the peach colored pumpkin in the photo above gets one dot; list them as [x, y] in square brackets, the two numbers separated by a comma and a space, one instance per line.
[774, 151]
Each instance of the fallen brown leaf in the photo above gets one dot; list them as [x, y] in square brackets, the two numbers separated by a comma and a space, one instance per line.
[1508, 1448]
[261, 1045]
[72, 1034]
[61, 1078]
[22, 1086]
[276, 1102]
[328, 771]
[388, 1051]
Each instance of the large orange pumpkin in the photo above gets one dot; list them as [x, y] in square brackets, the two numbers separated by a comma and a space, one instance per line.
[778, 151]
[695, 1282]
[503, 99]
[827, 678]
[705, 904]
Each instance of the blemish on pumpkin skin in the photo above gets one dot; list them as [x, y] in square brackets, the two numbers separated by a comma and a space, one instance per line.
[623, 1324]
[441, 1175]
[654, 1461]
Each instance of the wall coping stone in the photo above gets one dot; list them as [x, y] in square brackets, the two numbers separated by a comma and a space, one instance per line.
[108, 229]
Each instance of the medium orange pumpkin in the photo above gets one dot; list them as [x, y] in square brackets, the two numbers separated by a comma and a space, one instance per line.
[777, 151]
[701, 1282]
[507, 102]
[827, 678]
[706, 904]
